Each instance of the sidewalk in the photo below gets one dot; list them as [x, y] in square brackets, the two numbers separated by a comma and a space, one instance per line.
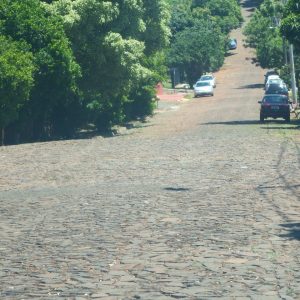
[172, 97]
[170, 100]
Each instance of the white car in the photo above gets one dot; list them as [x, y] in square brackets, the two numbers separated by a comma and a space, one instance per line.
[209, 77]
[202, 88]
[274, 79]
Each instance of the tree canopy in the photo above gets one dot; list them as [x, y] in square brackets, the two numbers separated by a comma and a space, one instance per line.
[16, 78]
[290, 25]
[55, 72]
[200, 31]
[68, 64]
[273, 24]
[263, 33]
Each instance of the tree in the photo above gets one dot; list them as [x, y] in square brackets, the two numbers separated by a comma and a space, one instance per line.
[197, 50]
[263, 34]
[16, 79]
[199, 34]
[290, 25]
[290, 28]
[227, 13]
[114, 43]
[56, 70]
[269, 52]
[157, 32]
[181, 15]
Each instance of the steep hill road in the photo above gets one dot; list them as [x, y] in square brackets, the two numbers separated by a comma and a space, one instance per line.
[200, 202]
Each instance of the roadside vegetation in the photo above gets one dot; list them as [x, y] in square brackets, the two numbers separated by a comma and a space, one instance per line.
[200, 32]
[70, 64]
[273, 25]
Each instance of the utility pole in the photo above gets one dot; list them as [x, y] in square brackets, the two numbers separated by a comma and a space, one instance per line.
[285, 52]
[293, 77]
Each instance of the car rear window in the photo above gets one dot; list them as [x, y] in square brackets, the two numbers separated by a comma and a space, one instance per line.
[276, 88]
[205, 83]
[275, 99]
[274, 81]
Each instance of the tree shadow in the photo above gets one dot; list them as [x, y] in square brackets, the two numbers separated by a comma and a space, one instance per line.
[293, 231]
[283, 183]
[230, 54]
[254, 60]
[252, 86]
[294, 124]
[178, 189]
[87, 134]
[241, 122]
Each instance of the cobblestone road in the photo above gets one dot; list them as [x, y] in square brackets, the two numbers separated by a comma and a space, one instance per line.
[201, 202]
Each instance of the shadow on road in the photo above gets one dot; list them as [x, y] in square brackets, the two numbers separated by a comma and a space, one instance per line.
[244, 122]
[179, 189]
[281, 128]
[293, 231]
[253, 60]
[87, 134]
[230, 54]
[283, 183]
[294, 124]
[252, 86]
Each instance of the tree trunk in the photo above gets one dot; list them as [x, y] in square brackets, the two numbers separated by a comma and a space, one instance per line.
[2, 136]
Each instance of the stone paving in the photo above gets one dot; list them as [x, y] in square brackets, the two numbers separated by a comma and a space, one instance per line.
[200, 202]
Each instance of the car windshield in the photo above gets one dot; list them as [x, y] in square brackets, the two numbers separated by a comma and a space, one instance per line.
[275, 99]
[272, 81]
[206, 77]
[273, 77]
[204, 83]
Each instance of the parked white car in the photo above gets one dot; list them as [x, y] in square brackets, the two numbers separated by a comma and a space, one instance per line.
[273, 79]
[203, 88]
[209, 77]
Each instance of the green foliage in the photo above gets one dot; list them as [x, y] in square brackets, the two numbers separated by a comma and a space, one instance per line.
[199, 34]
[269, 52]
[263, 34]
[290, 25]
[197, 50]
[55, 69]
[16, 78]
[114, 43]
[227, 13]
[157, 32]
[181, 16]
[290, 28]
[67, 63]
